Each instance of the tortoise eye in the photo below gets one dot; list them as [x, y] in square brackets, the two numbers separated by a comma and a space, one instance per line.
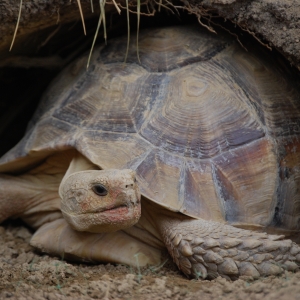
[99, 190]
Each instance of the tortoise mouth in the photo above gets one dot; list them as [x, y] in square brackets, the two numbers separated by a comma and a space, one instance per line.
[105, 220]
[111, 208]
[121, 211]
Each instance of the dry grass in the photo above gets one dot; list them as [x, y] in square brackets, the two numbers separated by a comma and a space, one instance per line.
[134, 8]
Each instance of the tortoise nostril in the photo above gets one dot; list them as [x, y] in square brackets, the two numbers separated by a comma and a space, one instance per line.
[129, 185]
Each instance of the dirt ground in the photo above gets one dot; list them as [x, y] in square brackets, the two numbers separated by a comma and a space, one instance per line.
[25, 274]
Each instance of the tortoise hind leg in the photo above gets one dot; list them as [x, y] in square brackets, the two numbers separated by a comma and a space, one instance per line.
[31, 197]
[59, 239]
[13, 197]
[208, 249]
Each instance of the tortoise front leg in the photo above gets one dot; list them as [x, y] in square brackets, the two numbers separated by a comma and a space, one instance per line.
[208, 249]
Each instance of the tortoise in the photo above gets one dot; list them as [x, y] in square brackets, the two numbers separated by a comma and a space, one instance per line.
[194, 149]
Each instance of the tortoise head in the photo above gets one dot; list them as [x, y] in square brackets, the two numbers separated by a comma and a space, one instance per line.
[100, 200]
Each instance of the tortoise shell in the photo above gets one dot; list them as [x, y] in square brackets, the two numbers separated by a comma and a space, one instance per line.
[211, 130]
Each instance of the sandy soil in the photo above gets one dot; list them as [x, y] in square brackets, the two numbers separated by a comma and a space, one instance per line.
[25, 274]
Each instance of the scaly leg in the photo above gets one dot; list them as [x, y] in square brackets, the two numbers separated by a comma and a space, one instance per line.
[208, 249]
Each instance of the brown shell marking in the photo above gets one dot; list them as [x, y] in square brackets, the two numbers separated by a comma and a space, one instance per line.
[287, 211]
[204, 124]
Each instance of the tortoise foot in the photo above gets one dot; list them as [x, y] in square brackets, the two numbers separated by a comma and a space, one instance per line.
[204, 249]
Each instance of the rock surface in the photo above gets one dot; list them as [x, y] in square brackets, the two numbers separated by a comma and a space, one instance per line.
[275, 23]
